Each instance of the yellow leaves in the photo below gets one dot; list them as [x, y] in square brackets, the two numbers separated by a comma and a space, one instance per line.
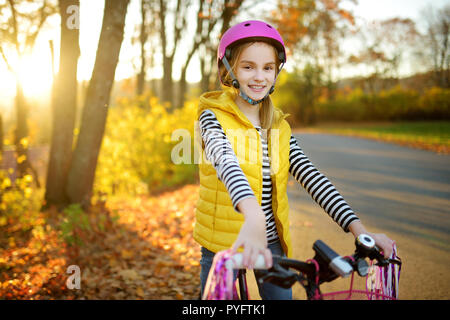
[38, 232]
[127, 254]
[129, 275]
[24, 142]
[21, 159]
[140, 292]
[113, 263]
[6, 183]
[148, 253]
[179, 296]
[136, 155]
[27, 192]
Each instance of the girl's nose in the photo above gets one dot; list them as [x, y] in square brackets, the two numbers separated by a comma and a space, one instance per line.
[259, 75]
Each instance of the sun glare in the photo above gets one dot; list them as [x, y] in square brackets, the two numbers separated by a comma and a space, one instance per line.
[35, 74]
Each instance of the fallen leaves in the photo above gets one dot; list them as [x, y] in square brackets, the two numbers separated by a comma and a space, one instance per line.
[149, 253]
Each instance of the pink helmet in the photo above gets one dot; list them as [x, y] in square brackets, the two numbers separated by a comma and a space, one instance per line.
[254, 29]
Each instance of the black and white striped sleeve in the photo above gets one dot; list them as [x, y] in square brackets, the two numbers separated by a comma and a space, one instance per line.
[221, 155]
[319, 187]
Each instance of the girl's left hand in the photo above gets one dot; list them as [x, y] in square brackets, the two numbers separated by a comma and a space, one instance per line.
[383, 242]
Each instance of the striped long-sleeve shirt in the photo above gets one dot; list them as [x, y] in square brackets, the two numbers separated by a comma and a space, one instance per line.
[221, 155]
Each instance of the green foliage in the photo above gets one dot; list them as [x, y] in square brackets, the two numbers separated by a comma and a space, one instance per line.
[74, 221]
[309, 99]
[394, 104]
[136, 153]
[297, 93]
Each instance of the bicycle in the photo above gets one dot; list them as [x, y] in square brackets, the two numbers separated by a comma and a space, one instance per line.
[325, 266]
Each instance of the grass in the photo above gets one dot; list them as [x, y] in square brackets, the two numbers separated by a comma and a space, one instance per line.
[428, 135]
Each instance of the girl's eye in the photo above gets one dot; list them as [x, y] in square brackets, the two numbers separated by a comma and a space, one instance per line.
[269, 68]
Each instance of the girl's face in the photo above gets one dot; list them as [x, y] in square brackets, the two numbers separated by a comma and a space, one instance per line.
[256, 69]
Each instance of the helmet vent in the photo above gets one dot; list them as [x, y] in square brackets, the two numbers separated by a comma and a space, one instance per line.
[269, 26]
[247, 24]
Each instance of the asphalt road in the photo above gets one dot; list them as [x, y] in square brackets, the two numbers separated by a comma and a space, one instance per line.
[399, 191]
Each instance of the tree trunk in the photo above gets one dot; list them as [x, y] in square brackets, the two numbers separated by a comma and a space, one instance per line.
[167, 86]
[182, 88]
[21, 132]
[183, 83]
[64, 105]
[84, 162]
[142, 39]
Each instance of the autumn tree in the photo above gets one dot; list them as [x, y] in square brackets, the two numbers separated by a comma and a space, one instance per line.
[168, 20]
[178, 12]
[64, 104]
[437, 43]
[205, 25]
[84, 161]
[312, 31]
[211, 16]
[221, 15]
[146, 31]
[384, 46]
[20, 24]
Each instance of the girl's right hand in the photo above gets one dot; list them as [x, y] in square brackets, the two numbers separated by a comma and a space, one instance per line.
[252, 236]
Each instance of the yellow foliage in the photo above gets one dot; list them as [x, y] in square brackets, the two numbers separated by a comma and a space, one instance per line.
[136, 152]
[19, 203]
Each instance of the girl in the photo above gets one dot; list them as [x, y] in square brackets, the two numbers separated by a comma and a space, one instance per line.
[251, 152]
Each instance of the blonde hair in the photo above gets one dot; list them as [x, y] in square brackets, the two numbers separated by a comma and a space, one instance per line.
[266, 109]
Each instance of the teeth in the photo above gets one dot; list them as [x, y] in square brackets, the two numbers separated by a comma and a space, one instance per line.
[257, 87]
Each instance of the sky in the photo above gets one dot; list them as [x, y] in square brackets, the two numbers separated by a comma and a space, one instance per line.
[36, 70]
[383, 9]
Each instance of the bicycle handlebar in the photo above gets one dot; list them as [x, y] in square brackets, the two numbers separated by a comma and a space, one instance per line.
[332, 264]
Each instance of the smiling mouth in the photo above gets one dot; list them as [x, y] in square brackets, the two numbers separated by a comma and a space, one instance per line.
[257, 88]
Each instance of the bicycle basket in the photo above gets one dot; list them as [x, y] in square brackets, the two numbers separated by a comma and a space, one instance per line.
[353, 294]
[375, 290]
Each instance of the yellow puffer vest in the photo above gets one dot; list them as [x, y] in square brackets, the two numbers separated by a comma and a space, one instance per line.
[217, 223]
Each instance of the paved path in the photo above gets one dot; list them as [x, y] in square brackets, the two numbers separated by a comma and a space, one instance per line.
[395, 188]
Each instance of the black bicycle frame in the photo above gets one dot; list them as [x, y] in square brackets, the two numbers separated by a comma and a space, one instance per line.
[243, 290]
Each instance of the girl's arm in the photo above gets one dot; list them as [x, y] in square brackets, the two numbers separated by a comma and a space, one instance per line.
[326, 195]
[319, 187]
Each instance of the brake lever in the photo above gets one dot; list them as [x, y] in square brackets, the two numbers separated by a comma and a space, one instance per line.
[382, 261]
[280, 276]
[395, 261]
